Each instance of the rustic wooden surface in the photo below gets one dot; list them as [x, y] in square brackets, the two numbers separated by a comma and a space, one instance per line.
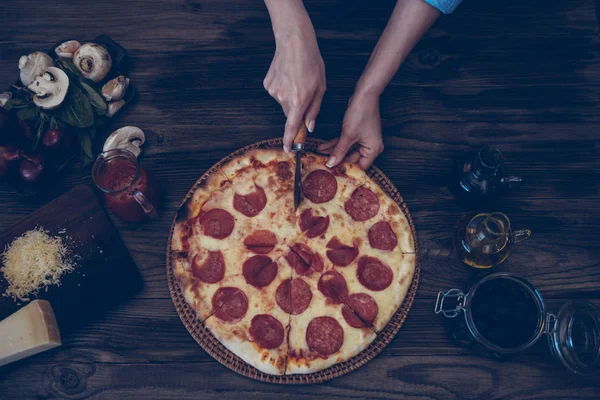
[522, 75]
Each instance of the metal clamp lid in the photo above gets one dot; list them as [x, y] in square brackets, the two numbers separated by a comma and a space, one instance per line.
[455, 307]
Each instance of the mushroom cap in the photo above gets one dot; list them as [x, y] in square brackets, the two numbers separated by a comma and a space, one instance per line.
[127, 137]
[33, 65]
[50, 88]
[67, 49]
[93, 61]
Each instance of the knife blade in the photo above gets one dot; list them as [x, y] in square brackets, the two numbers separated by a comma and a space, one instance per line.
[298, 147]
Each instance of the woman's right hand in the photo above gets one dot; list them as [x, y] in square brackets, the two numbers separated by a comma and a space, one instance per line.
[296, 78]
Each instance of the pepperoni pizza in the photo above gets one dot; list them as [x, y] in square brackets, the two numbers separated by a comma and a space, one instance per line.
[292, 291]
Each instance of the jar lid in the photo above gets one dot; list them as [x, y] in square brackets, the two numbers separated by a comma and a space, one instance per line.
[574, 336]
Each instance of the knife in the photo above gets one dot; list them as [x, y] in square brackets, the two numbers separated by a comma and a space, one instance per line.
[298, 147]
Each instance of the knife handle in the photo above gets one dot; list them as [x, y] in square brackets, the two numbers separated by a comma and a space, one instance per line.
[301, 135]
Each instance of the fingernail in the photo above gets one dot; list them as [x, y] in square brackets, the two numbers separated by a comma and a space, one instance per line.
[311, 126]
[286, 149]
[331, 161]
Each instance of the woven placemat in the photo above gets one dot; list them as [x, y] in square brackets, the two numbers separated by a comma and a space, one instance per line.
[213, 347]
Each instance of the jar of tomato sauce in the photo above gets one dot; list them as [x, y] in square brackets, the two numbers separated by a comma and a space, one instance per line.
[129, 190]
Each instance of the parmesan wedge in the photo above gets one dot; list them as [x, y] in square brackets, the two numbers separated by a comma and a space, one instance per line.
[29, 331]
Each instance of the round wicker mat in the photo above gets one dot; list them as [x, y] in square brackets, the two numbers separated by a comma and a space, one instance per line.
[213, 347]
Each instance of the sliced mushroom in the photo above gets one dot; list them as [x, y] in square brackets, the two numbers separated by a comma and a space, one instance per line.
[50, 89]
[93, 61]
[33, 65]
[114, 107]
[67, 49]
[4, 97]
[128, 138]
[115, 88]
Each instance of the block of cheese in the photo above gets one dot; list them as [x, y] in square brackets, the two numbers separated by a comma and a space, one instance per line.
[29, 331]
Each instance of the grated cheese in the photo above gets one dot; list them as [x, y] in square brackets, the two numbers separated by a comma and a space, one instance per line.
[33, 261]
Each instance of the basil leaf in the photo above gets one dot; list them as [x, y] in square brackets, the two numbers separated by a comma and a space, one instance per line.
[40, 132]
[28, 113]
[76, 110]
[16, 103]
[68, 66]
[85, 144]
[96, 100]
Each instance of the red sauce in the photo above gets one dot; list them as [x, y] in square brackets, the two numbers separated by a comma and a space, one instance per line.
[118, 175]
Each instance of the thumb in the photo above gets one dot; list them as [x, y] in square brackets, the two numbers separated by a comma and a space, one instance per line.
[339, 151]
[292, 126]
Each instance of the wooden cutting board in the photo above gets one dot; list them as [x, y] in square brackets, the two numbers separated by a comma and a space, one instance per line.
[105, 273]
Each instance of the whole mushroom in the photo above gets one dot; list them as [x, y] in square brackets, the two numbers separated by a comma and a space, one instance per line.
[115, 89]
[67, 49]
[93, 61]
[50, 89]
[128, 138]
[33, 65]
[114, 107]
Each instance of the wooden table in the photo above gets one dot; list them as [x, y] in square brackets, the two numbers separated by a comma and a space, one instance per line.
[522, 75]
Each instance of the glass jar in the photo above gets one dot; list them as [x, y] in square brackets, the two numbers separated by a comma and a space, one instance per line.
[129, 190]
[502, 315]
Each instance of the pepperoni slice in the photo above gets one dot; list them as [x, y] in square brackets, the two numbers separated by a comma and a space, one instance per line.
[324, 335]
[382, 237]
[313, 225]
[259, 271]
[250, 204]
[360, 310]
[217, 223]
[319, 186]
[261, 241]
[213, 268]
[303, 260]
[293, 296]
[373, 274]
[362, 205]
[266, 331]
[229, 304]
[341, 254]
[333, 285]
[284, 171]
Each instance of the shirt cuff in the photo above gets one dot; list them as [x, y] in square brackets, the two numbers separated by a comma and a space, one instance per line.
[445, 6]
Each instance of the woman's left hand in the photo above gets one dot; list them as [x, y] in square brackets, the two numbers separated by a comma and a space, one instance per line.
[361, 129]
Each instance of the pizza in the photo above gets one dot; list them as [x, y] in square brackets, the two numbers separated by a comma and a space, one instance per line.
[292, 291]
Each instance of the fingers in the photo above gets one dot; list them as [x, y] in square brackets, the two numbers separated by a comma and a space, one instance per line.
[368, 156]
[292, 125]
[339, 151]
[353, 157]
[327, 147]
[313, 110]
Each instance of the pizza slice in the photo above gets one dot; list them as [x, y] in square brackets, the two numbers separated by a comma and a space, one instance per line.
[320, 334]
[248, 320]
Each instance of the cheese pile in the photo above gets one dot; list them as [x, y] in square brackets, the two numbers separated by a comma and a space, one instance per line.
[33, 261]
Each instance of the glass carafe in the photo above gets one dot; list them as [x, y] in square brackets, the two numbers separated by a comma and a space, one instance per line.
[485, 240]
[480, 176]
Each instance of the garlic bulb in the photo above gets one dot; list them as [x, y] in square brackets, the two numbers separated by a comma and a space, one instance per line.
[93, 61]
[115, 89]
[67, 49]
[114, 107]
[33, 65]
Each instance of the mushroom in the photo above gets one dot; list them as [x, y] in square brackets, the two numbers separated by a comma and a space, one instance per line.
[93, 61]
[128, 138]
[67, 49]
[114, 107]
[50, 89]
[115, 89]
[33, 65]
[4, 97]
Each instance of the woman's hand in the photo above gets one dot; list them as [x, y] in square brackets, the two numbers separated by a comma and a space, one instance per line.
[361, 140]
[296, 78]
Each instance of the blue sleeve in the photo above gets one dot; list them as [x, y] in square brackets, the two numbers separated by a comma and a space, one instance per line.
[445, 6]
